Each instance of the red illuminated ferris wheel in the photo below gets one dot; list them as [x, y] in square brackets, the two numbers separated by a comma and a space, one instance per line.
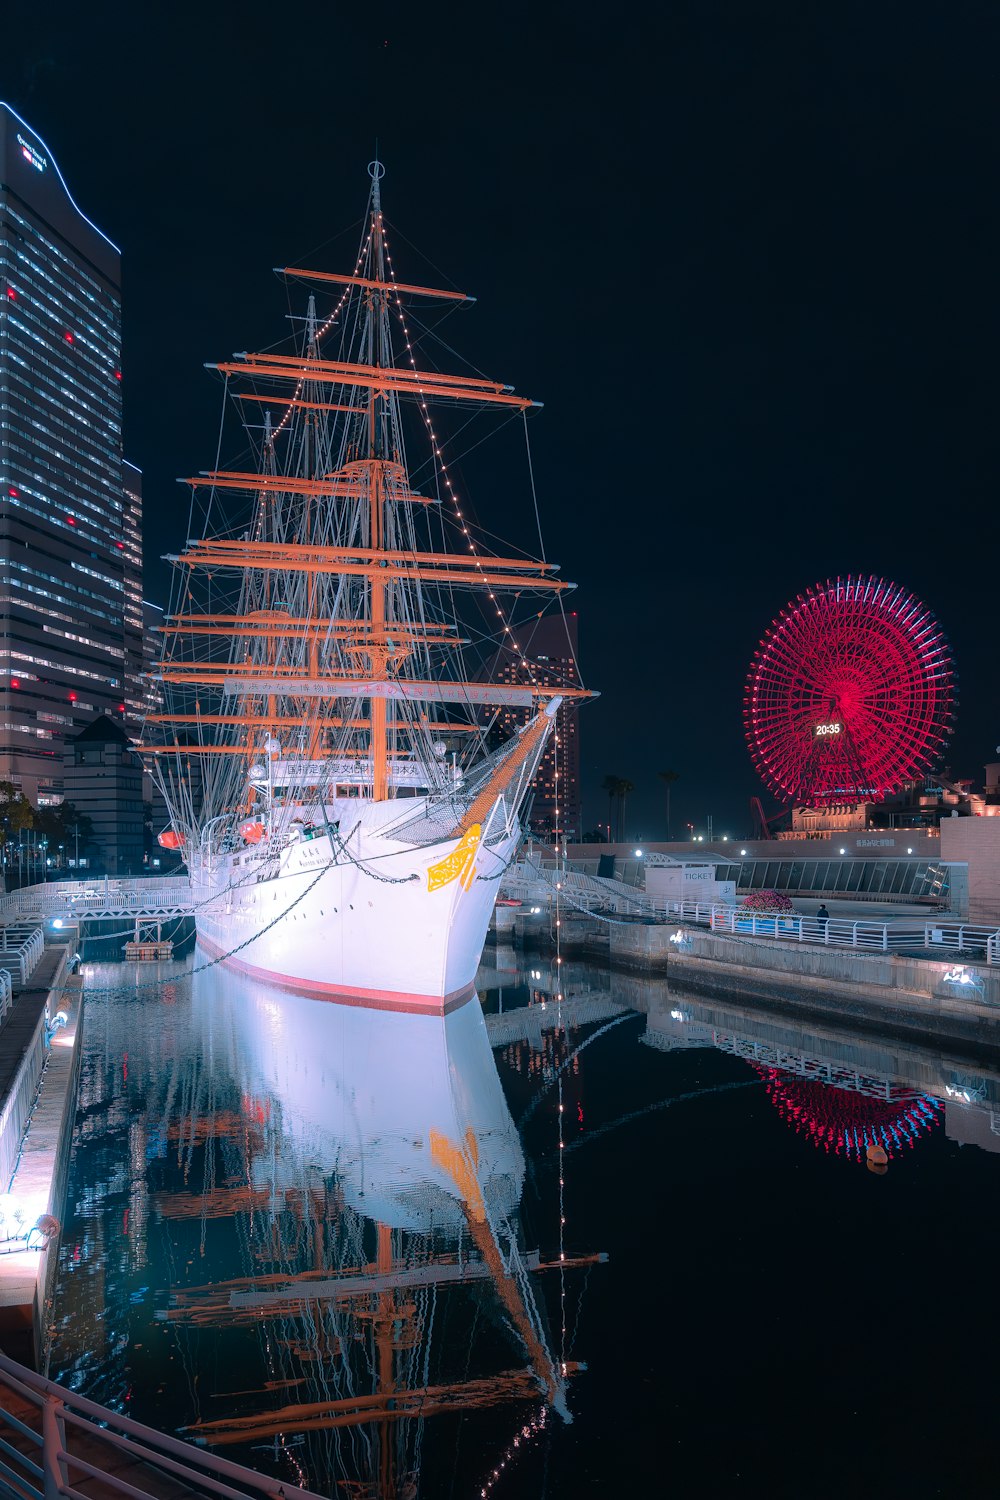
[850, 694]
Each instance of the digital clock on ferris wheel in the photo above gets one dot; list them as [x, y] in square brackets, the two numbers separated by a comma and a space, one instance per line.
[824, 729]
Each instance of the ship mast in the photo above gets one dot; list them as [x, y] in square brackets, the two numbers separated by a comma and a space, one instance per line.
[345, 626]
[378, 655]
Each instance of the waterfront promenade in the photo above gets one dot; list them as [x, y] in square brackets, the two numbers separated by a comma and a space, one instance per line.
[913, 970]
[38, 1069]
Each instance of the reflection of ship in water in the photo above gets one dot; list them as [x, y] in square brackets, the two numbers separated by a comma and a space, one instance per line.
[373, 1179]
[526, 1028]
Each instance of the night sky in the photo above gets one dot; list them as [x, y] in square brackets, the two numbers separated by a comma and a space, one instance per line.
[747, 255]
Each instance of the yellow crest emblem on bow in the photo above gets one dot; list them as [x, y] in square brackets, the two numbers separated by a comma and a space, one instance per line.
[460, 864]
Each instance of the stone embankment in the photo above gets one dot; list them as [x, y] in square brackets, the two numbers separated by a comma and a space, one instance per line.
[908, 995]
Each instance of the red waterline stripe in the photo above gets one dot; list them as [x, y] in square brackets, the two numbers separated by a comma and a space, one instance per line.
[337, 994]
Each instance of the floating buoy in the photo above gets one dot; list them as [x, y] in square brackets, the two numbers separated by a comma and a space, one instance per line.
[876, 1156]
[252, 833]
[168, 839]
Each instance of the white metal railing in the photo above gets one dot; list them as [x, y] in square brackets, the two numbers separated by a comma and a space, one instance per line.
[51, 1468]
[21, 947]
[16, 1107]
[531, 882]
[838, 932]
[69, 898]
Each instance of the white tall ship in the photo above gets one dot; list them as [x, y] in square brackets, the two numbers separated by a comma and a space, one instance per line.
[328, 747]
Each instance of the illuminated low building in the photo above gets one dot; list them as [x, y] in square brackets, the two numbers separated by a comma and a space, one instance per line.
[919, 805]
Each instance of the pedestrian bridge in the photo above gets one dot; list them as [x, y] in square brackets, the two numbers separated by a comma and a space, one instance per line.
[155, 899]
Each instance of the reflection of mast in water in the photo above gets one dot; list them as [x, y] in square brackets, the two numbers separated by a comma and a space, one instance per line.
[381, 1173]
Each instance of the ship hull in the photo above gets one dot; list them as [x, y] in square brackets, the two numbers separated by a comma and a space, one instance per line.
[384, 929]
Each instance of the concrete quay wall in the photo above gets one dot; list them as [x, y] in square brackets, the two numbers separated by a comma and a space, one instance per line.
[907, 995]
[636, 945]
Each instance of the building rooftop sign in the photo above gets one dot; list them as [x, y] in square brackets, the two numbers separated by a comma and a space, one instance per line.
[18, 140]
[31, 154]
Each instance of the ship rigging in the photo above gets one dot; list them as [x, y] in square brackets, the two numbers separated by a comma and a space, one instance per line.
[318, 648]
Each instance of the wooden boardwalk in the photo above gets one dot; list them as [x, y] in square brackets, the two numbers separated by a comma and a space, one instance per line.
[35, 1182]
[19, 1026]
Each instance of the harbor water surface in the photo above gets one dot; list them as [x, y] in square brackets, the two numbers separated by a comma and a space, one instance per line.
[285, 1215]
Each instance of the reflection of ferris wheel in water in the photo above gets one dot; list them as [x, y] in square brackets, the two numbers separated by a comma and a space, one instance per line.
[844, 1122]
[850, 694]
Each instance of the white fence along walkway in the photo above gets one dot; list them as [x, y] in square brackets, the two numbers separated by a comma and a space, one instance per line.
[903, 935]
[544, 884]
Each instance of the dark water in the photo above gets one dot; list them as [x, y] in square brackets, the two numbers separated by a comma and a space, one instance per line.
[774, 1316]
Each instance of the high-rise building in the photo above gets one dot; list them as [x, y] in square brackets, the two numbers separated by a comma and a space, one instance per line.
[549, 646]
[70, 512]
[154, 702]
[134, 621]
[152, 695]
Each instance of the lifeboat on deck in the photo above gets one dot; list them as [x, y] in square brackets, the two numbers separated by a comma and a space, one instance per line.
[251, 833]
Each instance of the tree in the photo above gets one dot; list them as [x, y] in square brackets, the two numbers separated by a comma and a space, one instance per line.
[16, 811]
[16, 815]
[668, 778]
[610, 784]
[624, 787]
[66, 826]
